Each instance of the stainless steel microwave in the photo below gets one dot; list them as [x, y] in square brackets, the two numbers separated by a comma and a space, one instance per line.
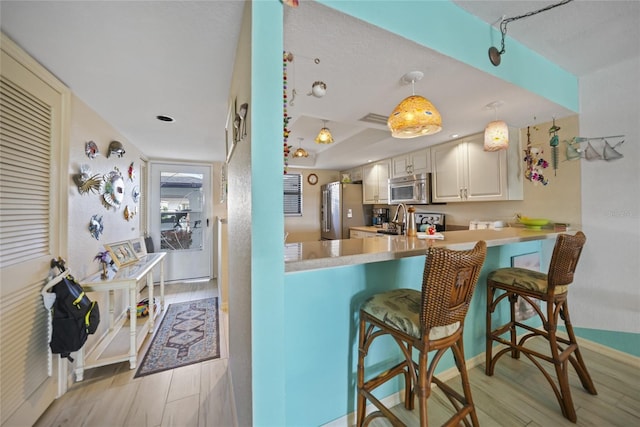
[412, 189]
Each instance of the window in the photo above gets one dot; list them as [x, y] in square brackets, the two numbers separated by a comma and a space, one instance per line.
[293, 194]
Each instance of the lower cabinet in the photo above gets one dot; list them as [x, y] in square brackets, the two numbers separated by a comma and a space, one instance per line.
[357, 234]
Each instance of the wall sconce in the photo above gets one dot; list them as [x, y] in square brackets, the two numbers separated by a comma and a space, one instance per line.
[496, 134]
[324, 136]
[415, 115]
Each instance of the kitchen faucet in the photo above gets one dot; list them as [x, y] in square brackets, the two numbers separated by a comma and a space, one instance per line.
[395, 221]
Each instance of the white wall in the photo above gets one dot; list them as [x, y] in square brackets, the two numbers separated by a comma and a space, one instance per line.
[607, 295]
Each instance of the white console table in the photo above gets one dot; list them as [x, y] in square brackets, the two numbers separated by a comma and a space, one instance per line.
[112, 346]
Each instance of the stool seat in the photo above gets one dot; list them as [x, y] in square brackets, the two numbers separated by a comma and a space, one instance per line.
[400, 309]
[530, 287]
[525, 279]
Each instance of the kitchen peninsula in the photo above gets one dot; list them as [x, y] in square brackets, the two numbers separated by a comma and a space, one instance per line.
[327, 281]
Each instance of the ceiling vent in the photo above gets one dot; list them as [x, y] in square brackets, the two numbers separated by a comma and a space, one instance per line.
[376, 119]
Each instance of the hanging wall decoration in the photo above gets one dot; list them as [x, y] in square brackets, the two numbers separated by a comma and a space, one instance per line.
[95, 226]
[116, 148]
[130, 213]
[554, 142]
[112, 189]
[287, 57]
[534, 163]
[608, 151]
[91, 150]
[87, 182]
[135, 194]
[131, 172]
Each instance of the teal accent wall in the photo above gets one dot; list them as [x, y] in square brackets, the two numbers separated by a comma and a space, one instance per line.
[626, 342]
[321, 331]
[450, 30]
[267, 221]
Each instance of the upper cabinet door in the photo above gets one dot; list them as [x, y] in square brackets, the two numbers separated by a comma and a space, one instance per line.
[447, 177]
[486, 172]
[375, 179]
[417, 162]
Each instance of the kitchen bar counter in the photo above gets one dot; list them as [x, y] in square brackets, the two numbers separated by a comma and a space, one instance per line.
[334, 253]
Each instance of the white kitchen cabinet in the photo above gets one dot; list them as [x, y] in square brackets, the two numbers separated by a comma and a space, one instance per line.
[463, 172]
[375, 182]
[355, 174]
[417, 162]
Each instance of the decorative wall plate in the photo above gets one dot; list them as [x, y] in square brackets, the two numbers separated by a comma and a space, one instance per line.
[132, 172]
[112, 189]
[116, 147]
[86, 182]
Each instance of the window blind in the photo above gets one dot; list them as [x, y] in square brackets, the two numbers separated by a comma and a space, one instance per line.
[293, 194]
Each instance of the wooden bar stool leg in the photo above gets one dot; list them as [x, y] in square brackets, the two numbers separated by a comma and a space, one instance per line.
[489, 333]
[423, 388]
[576, 358]
[513, 299]
[458, 353]
[361, 401]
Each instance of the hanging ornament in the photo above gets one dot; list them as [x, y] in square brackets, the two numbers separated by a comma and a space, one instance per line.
[534, 162]
[292, 3]
[286, 57]
[554, 142]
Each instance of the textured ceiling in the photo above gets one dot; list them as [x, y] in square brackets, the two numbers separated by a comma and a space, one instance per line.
[133, 60]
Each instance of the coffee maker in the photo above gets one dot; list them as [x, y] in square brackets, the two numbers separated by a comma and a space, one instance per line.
[380, 216]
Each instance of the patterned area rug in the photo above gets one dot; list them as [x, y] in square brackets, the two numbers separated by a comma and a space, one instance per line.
[188, 334]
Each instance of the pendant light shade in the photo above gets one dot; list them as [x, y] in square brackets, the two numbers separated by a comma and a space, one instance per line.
[300, 152]
[415, 115]
[324, 136]
[496, 136]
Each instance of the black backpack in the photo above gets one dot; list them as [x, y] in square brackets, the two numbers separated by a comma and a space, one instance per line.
[74, 317]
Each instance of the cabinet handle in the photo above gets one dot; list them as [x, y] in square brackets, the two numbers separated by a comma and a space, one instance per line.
[461, 194]
[466, 195]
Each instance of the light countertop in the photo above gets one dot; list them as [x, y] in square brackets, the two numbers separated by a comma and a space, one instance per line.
[334, 253]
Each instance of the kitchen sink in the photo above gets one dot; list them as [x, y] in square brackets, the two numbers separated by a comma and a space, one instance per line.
[390, 232]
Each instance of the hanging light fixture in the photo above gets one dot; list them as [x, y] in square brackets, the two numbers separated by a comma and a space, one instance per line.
[324, 136]
[495, 55]
[496, 134]
[300, 152]
[415, 115]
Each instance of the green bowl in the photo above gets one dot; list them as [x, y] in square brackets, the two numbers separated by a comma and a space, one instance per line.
[534, 223]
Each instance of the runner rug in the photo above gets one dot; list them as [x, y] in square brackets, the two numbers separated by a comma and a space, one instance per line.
[188, 334]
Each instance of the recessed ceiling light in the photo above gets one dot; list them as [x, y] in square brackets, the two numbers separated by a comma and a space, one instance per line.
[165, 118]
[454, 135]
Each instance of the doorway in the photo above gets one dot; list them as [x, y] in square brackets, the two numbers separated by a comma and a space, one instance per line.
[180, 219]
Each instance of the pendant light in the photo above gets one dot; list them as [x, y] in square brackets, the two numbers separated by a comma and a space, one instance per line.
[324, 136]
[300, 152]
[415, 115]
[496, 134]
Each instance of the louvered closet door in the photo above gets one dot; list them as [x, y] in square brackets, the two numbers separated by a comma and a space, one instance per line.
[31, 226]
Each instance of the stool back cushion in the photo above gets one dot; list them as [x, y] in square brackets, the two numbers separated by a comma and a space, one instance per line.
[448, 283]
[564, 260]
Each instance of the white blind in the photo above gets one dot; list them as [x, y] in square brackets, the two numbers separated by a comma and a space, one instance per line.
[25, 136]
[293, 194]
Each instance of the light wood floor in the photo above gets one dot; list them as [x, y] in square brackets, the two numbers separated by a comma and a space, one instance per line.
[200, 394]
[194, 395]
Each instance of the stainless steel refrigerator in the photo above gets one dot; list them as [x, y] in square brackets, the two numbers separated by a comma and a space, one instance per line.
[342, 208]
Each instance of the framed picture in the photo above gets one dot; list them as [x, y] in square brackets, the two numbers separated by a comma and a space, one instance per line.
[531, 261]
[122, 253]
[138, 246]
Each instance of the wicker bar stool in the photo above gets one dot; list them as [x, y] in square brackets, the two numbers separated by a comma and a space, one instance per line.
[552, 289]
[429, 320]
